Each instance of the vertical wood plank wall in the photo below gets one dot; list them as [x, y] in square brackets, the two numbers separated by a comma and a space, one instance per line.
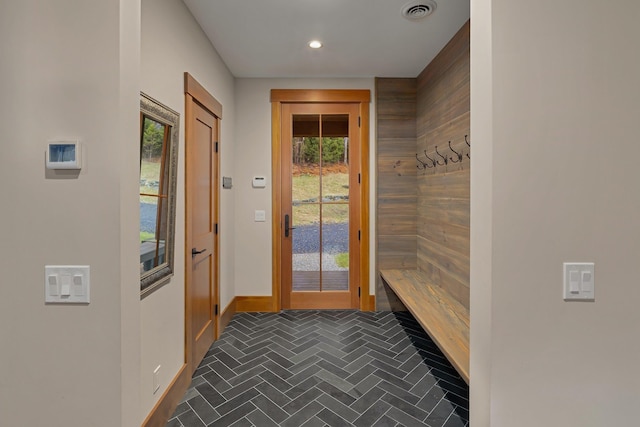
[423, 215]
[396, 182]
[443, 105]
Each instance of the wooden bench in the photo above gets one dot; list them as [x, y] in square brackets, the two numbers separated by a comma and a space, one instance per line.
[442, 317]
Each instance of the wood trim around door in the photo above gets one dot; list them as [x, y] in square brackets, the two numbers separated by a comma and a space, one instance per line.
[282, 96]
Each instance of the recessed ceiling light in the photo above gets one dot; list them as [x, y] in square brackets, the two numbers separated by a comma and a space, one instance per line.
[315, 44]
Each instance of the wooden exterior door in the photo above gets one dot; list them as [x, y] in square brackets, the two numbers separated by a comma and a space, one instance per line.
[201, 290]
[320, 184]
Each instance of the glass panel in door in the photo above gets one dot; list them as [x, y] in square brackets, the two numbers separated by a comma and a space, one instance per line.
[320, 203]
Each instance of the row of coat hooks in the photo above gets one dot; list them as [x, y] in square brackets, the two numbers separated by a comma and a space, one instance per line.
[442, 160]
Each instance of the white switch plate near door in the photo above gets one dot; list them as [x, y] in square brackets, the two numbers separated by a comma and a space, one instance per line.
[579, 281]
[66, 284]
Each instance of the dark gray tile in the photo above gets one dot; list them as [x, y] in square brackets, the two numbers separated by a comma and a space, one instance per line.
[210, 394]
[181, 409]
[234, 403]
[190, 394]
[272, 410]
[303, 387]
[277, 369]
[273, 393]
[303, 415]
[385, 421]
[332, 418]
[431, 399]
[220, 370]
[384, 375]
[455, 421]
[371, 415]
[334, 380]
[233, 416]
[364, 386]
[368, 399]
[326, 368]
[399, 392]
[241, 388]
[339, 362]
[275, 381]
[330, 367]
[201, 370]
[403, 418]
[361, 374]
[336, 393]
[338, 407]
[229, 361]
[424, 385]
[303, 375]
[314, 422]
[242, 422]
[304, 363]
[405, 406]
[440, 413]
[248, 370]
[190, 419]
[216, 381]
[301, 401]
[390, 369]
[259, 418]
[174, 422]
[285, 363]
[202, 408]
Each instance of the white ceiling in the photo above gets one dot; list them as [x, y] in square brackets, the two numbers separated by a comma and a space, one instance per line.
[362, 38]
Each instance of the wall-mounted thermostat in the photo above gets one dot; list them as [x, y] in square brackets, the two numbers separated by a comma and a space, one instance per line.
[226, 182]
[64, 155]
[259, 182]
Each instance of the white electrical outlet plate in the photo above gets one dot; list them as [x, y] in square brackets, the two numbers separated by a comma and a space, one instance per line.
[156, 379]
[66, 284]
[579, 281]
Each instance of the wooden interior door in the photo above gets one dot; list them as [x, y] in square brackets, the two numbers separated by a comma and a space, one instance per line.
[201, 298]
[320, 185]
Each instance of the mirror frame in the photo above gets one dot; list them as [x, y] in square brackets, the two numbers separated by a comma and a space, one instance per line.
[159, 275]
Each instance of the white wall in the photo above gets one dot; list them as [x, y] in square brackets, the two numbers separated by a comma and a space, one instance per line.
[555, 107]
[66, 74]
[253, 157]
[172, 43]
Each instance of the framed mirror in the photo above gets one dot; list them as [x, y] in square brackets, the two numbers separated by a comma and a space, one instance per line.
[158, 169]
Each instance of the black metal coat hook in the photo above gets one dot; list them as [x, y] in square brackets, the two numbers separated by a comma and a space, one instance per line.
[421, 165]
[469, 144]
[446, 161]
[458, 155]
[433, 161]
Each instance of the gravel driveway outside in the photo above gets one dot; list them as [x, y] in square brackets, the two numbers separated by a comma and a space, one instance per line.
[335, 238]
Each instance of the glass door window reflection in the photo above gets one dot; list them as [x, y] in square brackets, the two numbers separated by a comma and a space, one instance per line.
[320, 202]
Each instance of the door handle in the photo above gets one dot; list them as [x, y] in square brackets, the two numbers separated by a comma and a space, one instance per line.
[286, 226]
[195, 252]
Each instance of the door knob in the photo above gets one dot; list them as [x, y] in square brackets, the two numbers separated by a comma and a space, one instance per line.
[195, 252]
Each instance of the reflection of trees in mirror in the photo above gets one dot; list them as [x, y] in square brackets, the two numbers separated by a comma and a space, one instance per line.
[152, 139]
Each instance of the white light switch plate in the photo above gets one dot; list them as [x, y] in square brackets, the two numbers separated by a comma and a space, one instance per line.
[579, 281]
[260, 216]
[66, 284]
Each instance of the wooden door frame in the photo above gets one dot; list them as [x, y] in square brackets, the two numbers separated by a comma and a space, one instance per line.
[195, 92]
[333, 96]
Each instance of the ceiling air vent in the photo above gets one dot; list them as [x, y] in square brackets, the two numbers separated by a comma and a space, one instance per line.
[418, 10]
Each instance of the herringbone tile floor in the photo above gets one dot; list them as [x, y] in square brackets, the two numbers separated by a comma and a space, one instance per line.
[319, 368]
